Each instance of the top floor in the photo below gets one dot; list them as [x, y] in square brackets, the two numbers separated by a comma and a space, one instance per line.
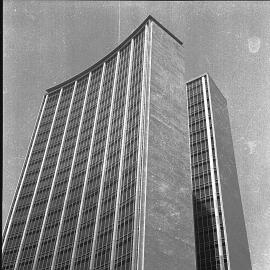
[211, 83]
[138, 30]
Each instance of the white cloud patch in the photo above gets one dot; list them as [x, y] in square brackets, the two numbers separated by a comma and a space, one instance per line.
[251, 146]
[254, 44]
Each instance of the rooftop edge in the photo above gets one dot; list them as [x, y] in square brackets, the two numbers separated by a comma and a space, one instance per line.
[208, 78]
[84, 72]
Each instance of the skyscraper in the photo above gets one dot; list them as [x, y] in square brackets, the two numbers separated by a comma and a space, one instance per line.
[220, 234]
[128, 168]
[106, 182]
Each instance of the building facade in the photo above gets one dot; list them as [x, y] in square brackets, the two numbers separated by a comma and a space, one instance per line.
[106, 180]
[220, 234]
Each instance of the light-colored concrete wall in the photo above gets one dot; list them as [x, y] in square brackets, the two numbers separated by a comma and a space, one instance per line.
[169, 236]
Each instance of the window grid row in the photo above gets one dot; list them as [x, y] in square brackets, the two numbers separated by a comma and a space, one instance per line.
[25, 196]
[51, 228]
[107, 212]
[207, 254]
[86, 230]
[125, 222]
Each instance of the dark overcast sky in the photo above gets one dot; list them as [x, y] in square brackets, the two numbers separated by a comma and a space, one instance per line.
[46, 43]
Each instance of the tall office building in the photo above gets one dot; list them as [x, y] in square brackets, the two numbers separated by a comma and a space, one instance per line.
[220, 234]
[106, 182]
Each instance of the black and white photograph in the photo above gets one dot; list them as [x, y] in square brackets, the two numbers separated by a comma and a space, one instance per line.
[136, 135]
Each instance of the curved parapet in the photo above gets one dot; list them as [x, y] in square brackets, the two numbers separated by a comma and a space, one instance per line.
[114, 52]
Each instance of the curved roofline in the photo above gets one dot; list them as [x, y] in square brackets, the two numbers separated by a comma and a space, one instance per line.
[149, 18]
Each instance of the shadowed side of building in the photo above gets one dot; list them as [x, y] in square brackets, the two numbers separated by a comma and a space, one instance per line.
[239, 257]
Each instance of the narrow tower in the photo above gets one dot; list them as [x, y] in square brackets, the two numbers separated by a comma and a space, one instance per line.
[220, 233]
